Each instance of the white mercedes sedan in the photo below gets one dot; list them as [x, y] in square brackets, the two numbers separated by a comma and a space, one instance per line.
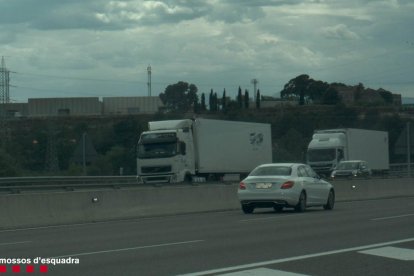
[280, 185]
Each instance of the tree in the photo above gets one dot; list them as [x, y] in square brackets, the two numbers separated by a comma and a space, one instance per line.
[223, 101]
[211, 100]
[246, 99]
[296, 88]
[196, 105]
[258, 99]
[304, 89]
[179, 97]
[240, 98]
[386, 95]
[203, 102]
[316, 89]
[330, 96]
[215, 101]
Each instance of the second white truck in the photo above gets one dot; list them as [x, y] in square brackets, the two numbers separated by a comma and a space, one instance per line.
[328, 147]
[178, 150]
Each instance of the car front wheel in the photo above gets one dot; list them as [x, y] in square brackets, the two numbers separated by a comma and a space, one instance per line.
[247, 209]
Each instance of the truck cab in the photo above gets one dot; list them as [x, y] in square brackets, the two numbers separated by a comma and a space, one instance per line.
[325, 151]
[165, 153]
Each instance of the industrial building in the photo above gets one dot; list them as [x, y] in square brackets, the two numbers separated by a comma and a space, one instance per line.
[82, 106]
[64, 106]
[131, 105]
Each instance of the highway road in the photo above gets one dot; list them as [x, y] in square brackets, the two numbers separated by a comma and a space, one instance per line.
[374, 237]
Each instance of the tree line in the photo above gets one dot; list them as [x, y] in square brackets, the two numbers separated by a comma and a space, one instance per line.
[184, 97]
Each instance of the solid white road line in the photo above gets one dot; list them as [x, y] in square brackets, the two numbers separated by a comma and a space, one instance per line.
[262, 272]
[128, 249]
[12, 243]
[272, 217]
[297, 258]
[394, 217]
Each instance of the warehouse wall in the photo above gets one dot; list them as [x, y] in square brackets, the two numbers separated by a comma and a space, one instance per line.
[131, 105]
[65, 106]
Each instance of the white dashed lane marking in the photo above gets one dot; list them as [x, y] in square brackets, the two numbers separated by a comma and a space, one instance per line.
[262, 272]
[397, 253]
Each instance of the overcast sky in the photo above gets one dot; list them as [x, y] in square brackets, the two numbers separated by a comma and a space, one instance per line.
[72, 48]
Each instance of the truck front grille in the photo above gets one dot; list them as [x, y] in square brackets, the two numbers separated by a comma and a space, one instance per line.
[156, 169]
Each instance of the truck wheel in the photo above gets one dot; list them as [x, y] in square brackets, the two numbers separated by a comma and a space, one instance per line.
[301, 206]
[330, 202]
[247, 209]
[188, 179]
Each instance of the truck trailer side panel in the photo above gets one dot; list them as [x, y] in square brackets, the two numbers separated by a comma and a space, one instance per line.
[231, 147]
[370, 146]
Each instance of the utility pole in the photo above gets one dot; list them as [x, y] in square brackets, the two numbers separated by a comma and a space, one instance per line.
[4, 98]
[255, 82]
[4, 83]
[149, 80]
[408, 149]
[84, 153]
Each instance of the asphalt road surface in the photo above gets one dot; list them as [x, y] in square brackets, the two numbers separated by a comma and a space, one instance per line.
[374, 237]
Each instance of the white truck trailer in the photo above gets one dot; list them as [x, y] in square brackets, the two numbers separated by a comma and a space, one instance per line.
[177, 150]
[328, 147]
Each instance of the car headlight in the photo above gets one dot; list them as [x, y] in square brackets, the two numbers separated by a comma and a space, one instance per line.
[354, 172]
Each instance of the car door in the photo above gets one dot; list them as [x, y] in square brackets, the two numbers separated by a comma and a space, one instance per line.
[309, 185]
[319, 187]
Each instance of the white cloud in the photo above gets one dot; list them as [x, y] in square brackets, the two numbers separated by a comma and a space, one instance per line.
[339, 31]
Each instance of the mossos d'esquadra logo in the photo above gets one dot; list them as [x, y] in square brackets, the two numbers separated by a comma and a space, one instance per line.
[256, 139]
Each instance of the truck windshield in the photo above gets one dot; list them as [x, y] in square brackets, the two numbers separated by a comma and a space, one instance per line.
[320, 155]
[157, 150]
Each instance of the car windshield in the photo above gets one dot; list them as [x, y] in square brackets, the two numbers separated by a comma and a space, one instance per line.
[270, 171]
[348, 166]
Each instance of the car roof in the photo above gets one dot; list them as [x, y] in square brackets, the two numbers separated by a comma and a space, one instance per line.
[352, 161]
[281, 165]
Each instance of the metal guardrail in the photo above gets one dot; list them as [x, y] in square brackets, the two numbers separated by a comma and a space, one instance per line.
[402, 170]
[70, 183]
[18, 184]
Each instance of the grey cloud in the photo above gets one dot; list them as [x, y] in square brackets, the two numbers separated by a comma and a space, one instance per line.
[164, 12]
[339, 31]
[49, 14]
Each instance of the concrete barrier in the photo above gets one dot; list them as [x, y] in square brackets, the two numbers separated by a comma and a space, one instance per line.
[347, 190]
[57, 208]
[38, 209]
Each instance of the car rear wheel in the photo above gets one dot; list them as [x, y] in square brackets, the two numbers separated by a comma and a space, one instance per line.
[247, 209]
[301, 206]
[330, 202]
